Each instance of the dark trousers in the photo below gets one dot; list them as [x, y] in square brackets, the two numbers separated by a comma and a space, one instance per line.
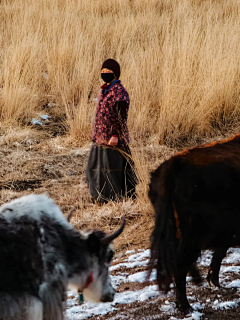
[110, 173]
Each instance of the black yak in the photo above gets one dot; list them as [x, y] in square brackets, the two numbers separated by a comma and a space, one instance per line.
[195, 195]
[41, 254]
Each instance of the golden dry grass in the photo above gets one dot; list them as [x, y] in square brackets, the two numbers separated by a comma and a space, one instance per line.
[180, 63]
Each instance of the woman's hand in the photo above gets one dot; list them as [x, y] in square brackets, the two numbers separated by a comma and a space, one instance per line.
[113, 141]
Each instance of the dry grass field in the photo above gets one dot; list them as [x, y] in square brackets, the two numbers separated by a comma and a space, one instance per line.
[180, 63]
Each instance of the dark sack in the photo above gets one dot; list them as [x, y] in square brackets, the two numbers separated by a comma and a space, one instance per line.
[110, 174]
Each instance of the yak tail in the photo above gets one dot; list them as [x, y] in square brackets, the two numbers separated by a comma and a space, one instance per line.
[52, 293]
[52, 302]
[163, 238]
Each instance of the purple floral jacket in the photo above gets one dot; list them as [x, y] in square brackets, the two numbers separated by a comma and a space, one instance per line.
[109, 120]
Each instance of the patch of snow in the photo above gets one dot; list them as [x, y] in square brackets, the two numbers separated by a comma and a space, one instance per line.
[198, 306]
[45, 117]
[70, 293]
[139, 256]
[233, 256]
[134, 260]
[205, 258]
[72, 301]
[46, 76]
[141, 276]
[130, 251]
[230, 269]
[134, 264]
[168, 308]
[225, 305]
[36, 122]
[234, 284]
[196, 315]
[193, 316]
[117, 280]
[139, 295]
[191, 297]
[88, 310]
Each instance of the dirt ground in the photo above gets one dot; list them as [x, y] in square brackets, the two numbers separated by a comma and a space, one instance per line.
[154, 308]
[42, 161]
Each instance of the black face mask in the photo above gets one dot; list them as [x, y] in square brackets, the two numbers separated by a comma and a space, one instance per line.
[107, 77]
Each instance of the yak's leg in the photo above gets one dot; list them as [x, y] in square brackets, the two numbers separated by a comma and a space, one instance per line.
[213, 273]
[181, 296]
[194, 273]
[185, 262]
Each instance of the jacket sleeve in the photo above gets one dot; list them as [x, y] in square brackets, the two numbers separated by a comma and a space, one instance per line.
[121, 108]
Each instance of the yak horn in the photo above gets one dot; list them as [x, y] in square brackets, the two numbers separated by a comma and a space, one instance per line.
[110, 237]
[70, 214]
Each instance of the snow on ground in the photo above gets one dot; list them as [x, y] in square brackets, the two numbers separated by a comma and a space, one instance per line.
[140, 259]
[205, 258]
[233, 256]
[141, 276]
[90, 309]
[44, 117]
[194, 316]
[133, 261]
[225, 304]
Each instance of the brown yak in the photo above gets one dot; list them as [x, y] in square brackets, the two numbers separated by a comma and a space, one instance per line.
[196, 198]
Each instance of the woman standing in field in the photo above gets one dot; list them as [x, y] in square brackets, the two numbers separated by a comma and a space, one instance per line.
[110, 169]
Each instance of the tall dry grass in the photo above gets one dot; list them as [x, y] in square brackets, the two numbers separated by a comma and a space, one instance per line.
[180, 62]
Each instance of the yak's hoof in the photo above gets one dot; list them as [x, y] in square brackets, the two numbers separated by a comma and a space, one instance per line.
[213, 279]
[184, 307]
[197, 280]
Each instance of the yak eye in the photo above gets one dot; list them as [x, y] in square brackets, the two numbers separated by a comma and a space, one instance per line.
[110, 256]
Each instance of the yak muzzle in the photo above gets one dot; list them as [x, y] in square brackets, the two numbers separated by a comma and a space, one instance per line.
[107, 297]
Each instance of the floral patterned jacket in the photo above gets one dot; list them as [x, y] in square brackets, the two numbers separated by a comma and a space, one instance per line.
[111, 115]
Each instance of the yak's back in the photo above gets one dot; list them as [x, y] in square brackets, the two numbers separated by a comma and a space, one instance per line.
[216, 160]
[35, 207]
[227, 151]
[32, 230]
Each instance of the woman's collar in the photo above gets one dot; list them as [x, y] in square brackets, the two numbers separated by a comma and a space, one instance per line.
[106, 87]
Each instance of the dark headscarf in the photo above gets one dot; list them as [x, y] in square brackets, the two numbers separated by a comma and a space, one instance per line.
[112, 65]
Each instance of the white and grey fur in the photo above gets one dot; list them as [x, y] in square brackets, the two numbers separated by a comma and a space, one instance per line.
[42, 254]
